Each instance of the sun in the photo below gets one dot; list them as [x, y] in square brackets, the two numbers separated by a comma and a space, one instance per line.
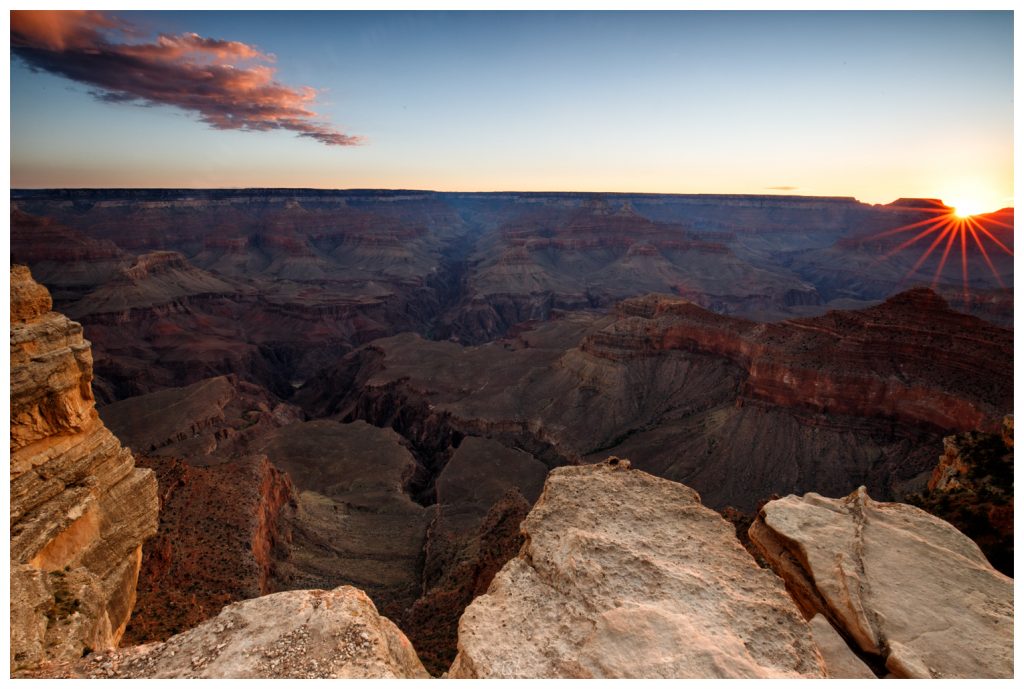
[966, 208]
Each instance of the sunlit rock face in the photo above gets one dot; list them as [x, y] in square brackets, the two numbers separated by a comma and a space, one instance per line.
[312, 634]
[971, 487]
[80, 510]
[903, 585]
[627, 575]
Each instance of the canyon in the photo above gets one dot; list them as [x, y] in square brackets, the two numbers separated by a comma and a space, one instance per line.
[313, 274]
[373, 389]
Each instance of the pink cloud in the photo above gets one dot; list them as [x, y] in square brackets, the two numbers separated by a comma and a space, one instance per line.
[228, 84]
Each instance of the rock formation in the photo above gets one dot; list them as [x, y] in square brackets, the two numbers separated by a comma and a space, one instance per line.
[911, 358]
[901, 584]
[869, 263]
[737, 410]
[80, 510]
[483, 494]
[598, 253]
[268, 349]
[222, 530]
[627, 575]
[840, 661]
[163, 278]
[208, 422]
[353, 522]
[971, 487]
[296, 634]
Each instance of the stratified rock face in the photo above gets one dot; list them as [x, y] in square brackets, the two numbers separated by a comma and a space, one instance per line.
[901, 583]
[176, 285]
[290, 635]
[627, 575]
[80, 510]
[911, 359]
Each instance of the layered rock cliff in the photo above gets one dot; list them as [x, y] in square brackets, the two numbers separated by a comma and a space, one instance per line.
[911, 359]
[668, 384]
[164, 278]
[80, 509]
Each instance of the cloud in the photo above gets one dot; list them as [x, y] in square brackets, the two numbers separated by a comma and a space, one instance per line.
[783, 188]
[228, 84]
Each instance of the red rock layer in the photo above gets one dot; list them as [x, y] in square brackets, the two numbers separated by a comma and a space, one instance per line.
[911, 359]
[219, 530]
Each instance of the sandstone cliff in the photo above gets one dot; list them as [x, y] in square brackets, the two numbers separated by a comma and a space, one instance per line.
[627, 575]
[80, 510]
[904, 586]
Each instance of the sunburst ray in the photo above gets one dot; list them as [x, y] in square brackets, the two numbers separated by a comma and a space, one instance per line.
[949, 229]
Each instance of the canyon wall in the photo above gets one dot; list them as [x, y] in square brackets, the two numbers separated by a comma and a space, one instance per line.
[80, 509]
[911, 359]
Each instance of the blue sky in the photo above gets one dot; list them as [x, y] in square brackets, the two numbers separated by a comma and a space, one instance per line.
[874, 105]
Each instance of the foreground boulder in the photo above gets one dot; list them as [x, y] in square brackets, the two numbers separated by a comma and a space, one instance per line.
[293, 635]
[628, 575]
[80, 509]
[902, 584]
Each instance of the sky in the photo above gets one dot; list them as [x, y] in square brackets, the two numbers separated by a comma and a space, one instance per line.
[875, 105]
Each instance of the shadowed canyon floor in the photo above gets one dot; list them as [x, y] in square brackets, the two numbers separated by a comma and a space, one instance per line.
[369, 388]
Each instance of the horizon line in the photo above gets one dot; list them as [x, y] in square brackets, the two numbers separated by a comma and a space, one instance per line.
[396, 190]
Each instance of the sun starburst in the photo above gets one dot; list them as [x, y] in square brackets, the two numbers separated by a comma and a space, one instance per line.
[962, 228]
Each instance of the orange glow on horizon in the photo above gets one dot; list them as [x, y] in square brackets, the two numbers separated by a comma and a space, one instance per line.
[967, 208]
[966, 225]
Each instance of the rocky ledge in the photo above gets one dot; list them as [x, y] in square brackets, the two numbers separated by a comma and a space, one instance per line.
[904, 586]
[294, 634]
[627, 575]
[80, 509]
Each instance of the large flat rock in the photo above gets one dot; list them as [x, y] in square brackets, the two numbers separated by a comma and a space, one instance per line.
[627, 575]
[294, 635]
[901, 583]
